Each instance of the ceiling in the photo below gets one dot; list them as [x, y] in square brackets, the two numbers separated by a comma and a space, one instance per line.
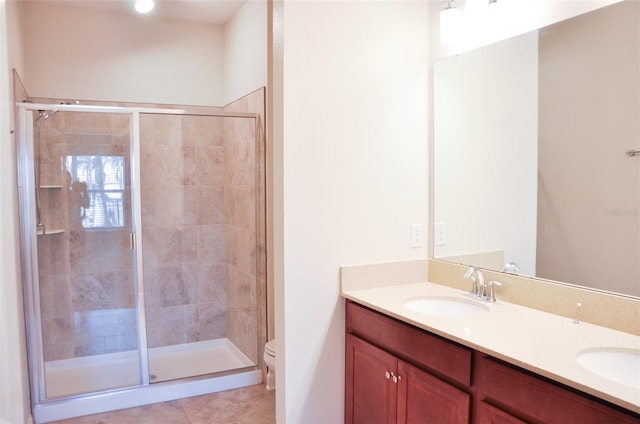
[208, 11]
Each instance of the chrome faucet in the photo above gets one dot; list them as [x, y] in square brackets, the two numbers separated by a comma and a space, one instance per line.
[477, 283]
[491, 296]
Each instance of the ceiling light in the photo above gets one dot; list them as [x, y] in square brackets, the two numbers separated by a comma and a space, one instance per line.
[144, 6]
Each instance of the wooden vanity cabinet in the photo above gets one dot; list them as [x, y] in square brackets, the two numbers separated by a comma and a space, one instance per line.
[371, 396]
[384, 389]
[397, 373]
[489, 414]
[509, 394]
[390, 369]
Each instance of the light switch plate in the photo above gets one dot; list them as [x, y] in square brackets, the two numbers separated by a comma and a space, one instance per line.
[439, 233]
[417, 235]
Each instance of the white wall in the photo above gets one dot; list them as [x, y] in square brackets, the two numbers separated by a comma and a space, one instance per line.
[127, 58]
[355, 175]
[588, 217]
[245, 51]
[14, 398]
[486, 145]
[79, 53]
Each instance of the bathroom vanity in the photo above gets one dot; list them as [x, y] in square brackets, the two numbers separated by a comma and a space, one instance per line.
[504, 366]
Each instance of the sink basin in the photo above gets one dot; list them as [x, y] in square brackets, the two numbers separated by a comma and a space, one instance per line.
[616, 364]
[446, 306]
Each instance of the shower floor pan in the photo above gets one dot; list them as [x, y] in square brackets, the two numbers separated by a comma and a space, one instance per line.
[90, 374]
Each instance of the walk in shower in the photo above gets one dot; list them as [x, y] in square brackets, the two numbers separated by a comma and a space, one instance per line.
[141, 231]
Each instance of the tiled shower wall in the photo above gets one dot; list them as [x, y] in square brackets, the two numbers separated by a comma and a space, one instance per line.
[86, 276]
[198, 191]
[244, 194]
[182, 185]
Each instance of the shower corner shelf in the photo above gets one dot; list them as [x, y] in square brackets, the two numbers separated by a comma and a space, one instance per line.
[53, 186]
[51, 232]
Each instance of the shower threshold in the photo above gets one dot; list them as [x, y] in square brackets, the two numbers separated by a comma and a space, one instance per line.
[91, 374]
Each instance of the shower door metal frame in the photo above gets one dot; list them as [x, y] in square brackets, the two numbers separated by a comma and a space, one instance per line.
[29, 251]
[28, 239]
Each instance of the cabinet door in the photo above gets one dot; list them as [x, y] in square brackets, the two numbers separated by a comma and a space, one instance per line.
[370, 395]
[488, 414]
[424, 399]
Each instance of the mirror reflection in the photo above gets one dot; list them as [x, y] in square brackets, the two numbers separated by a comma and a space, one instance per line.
[533, 172]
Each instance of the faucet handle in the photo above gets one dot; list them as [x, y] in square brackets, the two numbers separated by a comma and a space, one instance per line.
[491, 297]
[474, 286]
[474, 283]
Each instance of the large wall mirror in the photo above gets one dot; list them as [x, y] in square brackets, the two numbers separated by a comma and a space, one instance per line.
[534, 141]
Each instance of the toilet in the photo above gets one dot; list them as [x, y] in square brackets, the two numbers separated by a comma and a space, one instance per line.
[270, 360]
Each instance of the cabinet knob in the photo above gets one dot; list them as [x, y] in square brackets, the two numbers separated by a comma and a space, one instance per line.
[391, 376]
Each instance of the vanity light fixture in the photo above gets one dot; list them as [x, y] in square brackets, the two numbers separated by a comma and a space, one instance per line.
[144, 6]
[450, 24]
[476, 7]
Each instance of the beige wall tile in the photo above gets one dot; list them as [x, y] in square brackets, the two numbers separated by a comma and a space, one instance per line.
[241, 290]
[55, 296]
[210, 165]
[163, 164]
[164, 206]
[189, 165]
[240, 162]
[106, 290]
[240, 247]
[177, 285]
[173, 325]
[241, 166]
[58, 342]
[242, 331]
[53, 254]
[159, 130]
[211, 284]
[213, 321]
[202, 130]
[210, 205]
[211, 247]
[240, 206]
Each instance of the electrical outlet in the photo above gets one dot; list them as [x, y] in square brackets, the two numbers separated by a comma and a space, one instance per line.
[417, 235]
[439, 233]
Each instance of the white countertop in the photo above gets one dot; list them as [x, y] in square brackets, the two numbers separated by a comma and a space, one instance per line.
[541, 342]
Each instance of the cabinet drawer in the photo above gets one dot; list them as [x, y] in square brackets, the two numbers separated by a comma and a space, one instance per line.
[487, 414]
[446, 359]
[535, 399]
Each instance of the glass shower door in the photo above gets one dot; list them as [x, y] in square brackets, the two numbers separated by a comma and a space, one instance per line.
[85, 284]
[198, 197]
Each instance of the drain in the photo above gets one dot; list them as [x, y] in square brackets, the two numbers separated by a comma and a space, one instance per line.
[153, 376]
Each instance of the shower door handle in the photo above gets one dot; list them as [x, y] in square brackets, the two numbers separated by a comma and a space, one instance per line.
[132, 241]
[632, 152]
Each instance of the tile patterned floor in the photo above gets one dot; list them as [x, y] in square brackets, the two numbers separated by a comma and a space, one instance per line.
[247, 405]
